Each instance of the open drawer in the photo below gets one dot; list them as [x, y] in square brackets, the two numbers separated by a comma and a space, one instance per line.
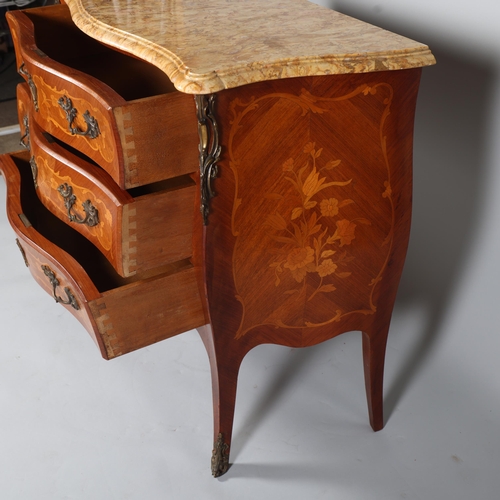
[121, 314]
[141, 229]
[121, 112]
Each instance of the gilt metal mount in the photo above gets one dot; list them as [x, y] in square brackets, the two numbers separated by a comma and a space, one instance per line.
[91, 218]
[34, 92]
[220, 457]
[23, 253]
[54, 282]
[34, 171]
[209, 150]
[25, 139]
[92, 126]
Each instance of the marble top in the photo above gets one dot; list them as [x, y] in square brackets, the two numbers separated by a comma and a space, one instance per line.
[208, 45]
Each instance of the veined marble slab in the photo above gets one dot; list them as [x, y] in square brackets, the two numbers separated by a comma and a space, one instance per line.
[208, 45]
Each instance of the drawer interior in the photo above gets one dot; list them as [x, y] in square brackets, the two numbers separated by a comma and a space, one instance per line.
[58, 37]
[98, 268]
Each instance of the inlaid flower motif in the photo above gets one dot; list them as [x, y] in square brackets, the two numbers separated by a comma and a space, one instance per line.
[330, 207]
[301, 272]
[388, 191]
[309, 147]
[298, 212]
[288, 165]
[326, 268]
[345, 231]
[308, 244]
[299, 258]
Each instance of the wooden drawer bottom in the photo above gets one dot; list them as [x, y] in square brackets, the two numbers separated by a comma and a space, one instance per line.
[121, 314]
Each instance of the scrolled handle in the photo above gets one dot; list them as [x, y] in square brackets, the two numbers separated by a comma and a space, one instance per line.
[92, 126]
[71, 301]
[34, 171]
[25, 139]
[91, 218]
[23, 253]
[34, 92]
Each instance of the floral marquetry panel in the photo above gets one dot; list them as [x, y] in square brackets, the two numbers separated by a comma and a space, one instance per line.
[322, 228]
[310, 168]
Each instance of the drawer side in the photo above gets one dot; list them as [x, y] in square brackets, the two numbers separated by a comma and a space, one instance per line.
[148, 311]
[159, 138]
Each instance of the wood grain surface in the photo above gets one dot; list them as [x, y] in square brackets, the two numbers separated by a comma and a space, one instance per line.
[120, 314]
[309, 229]
[142, 120]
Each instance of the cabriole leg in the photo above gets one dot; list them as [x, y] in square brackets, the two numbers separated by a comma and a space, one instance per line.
[224, 383]
[374, 346]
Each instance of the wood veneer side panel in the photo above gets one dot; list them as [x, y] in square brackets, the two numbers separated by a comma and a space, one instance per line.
[399, 140]
[375, 167]
[275, 162]
[198, 260]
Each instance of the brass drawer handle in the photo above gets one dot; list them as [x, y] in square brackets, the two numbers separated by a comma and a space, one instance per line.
[91, 213]
[34, 171]
[71, 301]
[23, 253]
[25, 139]
[92, 125]
[34, 93]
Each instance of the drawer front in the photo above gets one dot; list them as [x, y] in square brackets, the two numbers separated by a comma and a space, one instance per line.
[79, 194]
[138, 139]
[55, 279]
[53, 269]
[126, 318]
[135, 234]
[68, 110]
[120, 314]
